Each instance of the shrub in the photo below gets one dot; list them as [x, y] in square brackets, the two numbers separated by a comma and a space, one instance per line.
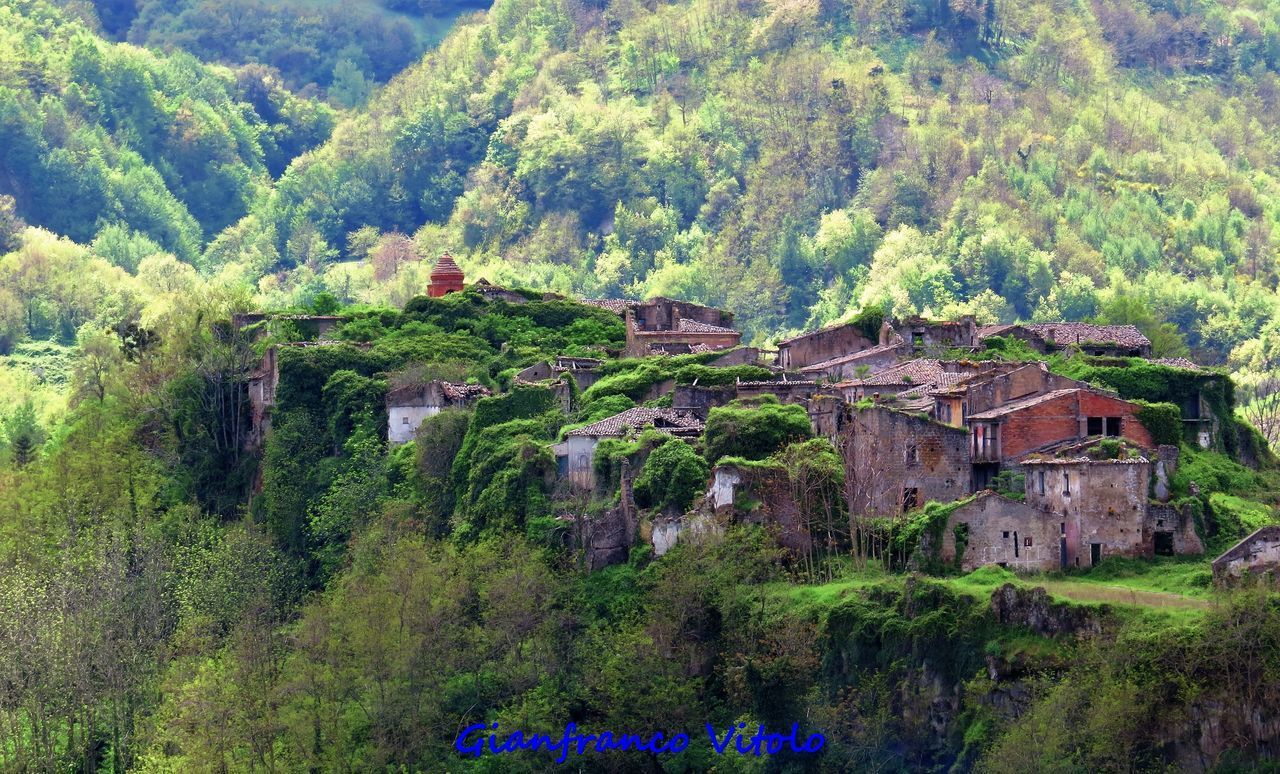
[672, 476]
[1162, 420]
[753, 431]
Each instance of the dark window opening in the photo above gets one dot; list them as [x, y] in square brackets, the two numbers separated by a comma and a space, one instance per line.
[1015, 545]
[1005, 535]
[917, 340]
[1066, 484]
[1113, 426]
[1093, 426]
[1042, 482]
[1164, 544]
[1026, 542]
[1159, 522]
[1095, 554]
[910, 498]
[913, 453]
[1062, 528]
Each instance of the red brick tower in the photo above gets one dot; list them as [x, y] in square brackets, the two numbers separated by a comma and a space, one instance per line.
[446, 277]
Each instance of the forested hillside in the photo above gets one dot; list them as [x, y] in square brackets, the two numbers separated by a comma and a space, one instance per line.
[138, 153]
[795, 160]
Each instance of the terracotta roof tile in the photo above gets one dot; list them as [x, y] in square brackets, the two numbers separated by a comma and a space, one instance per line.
[693, 326]
[1079, 333]
[665, 419]
[1023, 403]
[445, 267]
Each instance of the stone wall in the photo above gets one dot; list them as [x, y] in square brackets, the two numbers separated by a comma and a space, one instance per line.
[998, 530]
[1101, 503]
[889, 453]
[822, 345]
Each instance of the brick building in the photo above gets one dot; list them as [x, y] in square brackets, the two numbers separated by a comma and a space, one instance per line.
[822, 345]
[993, 386]
[446, 277]
[665, 326]
[1024, 425]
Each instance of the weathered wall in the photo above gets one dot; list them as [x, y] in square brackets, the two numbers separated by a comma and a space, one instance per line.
[699, 400]
[1181, 529]
[888, 452]
[403, 421]
[821, 345]
[1004, 532]
[1062, 419]
[575, 457]
[1101, 502]
[1257, 554]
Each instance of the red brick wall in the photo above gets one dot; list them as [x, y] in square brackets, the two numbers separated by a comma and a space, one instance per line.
[1061, 419]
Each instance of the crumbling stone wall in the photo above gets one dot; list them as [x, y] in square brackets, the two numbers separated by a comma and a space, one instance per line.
[994, 529]
[1102, 503]
[822, 345]
[895, 461]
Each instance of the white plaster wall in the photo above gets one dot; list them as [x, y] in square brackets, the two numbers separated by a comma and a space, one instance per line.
[403, 421]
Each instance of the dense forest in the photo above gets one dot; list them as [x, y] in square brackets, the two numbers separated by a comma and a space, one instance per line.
[175, 598]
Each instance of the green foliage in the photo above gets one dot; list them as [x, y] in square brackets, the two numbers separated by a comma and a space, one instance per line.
[1162, 420]
[1235, 517]
[353, 402]
[672, 476]
[291, 477]
[437, 443]
[907, 536]
[1212, 472]
[753, 431]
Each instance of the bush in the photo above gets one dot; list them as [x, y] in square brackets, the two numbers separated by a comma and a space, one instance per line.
[672, 476]
[1162, 420]
[753, 432]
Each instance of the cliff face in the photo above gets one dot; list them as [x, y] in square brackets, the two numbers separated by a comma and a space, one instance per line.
[940, 681]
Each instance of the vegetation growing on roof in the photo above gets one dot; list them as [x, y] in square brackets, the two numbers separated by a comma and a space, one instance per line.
[753, 429]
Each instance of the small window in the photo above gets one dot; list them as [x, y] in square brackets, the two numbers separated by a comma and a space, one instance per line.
[1093, 426]
[917, 340]
[1026, 542]
[1005, 535]
[910, 498]
[1063, 527]
[404, 420]
[913, 453]
[1066, 484]
[1041, 477]
[1113, 426]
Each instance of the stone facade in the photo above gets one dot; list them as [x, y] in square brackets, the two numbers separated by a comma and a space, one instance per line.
[895, 461]
[822, 345]
[575, 455]
[1256, 556]
[1102, 505]
[997, 530]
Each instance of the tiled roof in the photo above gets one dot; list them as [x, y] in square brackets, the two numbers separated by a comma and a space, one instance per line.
[850, 358]
[1064, 333]
[564, 363]
[1023, 403]
[693, 326]
[615, 305]
[452, 392]
[1176, 362]
[445, 267]
[670, 420]
[918, 371]
[782, 382]
[1079, 333]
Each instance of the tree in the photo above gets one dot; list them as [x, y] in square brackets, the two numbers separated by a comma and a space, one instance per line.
[672, 476]
[23, 431]
[350, 88]
[11, 225]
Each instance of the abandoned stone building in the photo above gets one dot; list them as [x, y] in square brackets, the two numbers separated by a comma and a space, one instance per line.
[575, 455]
[1101, 503]
[1256, 557]
[1117, 340]
[995, 529]
[584, 370]
[895, 461]
[918, 376]
[661, 326]
[446, 277]
[824, 345]
[408, 406]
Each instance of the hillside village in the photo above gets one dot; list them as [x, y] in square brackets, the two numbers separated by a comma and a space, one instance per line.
[1036, 470]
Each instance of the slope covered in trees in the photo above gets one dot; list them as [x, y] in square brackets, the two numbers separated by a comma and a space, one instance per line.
[144, 153]
[795, 160]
